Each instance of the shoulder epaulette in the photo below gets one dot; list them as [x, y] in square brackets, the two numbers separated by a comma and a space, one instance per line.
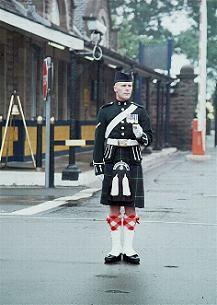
[141, 106]
[106, 105]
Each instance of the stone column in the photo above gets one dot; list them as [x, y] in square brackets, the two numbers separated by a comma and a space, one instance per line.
[182, 108]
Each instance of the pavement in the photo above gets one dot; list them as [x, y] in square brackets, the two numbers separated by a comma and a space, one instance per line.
[24, 187]
[29, 177]
[55, 257]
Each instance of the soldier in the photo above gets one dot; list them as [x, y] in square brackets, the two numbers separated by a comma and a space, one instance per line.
[122, 128]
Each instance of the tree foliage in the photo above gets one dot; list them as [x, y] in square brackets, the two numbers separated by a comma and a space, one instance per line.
[141, 20]
[187, 42]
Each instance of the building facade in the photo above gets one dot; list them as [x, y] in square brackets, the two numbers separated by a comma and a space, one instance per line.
[31, 30]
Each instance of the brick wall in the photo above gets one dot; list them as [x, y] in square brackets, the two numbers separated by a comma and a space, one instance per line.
[152, 106]
[182, 109]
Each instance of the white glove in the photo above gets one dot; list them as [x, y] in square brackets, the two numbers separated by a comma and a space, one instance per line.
[137, 130]
[99, 169]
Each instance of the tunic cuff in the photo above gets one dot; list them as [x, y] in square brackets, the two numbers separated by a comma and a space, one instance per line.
[98, 163]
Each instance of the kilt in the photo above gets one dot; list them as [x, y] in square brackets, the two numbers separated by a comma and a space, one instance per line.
[134, 175]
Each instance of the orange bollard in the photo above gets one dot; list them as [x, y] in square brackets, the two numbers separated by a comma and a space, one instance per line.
[197, 144]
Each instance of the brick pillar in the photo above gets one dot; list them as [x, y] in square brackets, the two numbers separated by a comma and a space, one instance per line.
[182, 108]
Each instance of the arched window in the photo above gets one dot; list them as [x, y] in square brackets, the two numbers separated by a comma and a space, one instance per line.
[54, 15]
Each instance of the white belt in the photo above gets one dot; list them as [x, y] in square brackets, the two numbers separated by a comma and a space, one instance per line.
[122, 142]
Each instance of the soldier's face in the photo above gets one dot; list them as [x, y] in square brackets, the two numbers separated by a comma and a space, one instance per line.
[123, 90]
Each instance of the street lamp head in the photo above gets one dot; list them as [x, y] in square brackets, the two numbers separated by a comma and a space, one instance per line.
[95, 25]
[97, 30]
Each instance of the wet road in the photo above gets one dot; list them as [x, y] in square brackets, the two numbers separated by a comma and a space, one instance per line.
[17, 198]
[57, 257]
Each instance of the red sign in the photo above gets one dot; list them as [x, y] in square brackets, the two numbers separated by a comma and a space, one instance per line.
[45, 79]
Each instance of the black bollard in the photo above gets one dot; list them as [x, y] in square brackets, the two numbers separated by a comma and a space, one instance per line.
[39, 143]
[71, 172]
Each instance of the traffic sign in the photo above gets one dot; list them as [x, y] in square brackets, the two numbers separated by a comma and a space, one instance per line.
[47, 77]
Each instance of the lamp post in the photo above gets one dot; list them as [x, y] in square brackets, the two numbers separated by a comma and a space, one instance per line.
[71, 172]
[97, 29]
[98, 86]
[202, 71]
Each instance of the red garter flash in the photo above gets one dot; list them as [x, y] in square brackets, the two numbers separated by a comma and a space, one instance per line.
[114, 221]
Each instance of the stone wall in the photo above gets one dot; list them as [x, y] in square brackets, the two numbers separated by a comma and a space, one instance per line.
[182, 108]
[149, 100]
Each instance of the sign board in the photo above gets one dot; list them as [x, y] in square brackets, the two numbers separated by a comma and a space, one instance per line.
[156, 56]
[47, 77]
[45, 80]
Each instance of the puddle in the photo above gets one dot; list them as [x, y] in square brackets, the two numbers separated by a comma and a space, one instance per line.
[171, 266]
[116, 291]
[106, 276]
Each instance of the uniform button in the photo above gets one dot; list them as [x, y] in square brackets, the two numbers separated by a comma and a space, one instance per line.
[122, 109]
[122, 122]
[122, 127]
[125, 103]
[122, 133]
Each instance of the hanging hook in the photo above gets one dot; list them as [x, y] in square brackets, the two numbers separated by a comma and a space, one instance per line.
[97, 49]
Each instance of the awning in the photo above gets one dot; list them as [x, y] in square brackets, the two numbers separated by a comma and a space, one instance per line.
[41, 30]
[114, 58]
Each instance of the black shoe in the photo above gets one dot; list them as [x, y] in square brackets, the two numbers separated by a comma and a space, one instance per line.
[111, 259]
[133, 259]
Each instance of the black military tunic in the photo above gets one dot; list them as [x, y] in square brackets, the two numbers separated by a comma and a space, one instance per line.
[110, 156]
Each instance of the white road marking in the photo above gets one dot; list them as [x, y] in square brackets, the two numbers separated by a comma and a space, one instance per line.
[182, 223]
[209, 195]
[45, 206]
